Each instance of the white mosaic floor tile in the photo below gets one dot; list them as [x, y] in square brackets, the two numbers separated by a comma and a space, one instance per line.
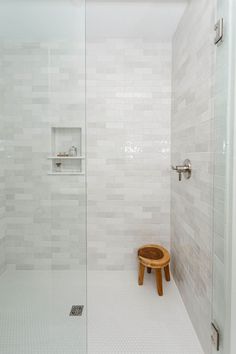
[34, 313]
[124, 318]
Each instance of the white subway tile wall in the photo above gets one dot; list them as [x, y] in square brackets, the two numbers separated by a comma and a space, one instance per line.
[191, 137]
[2, 207]
[2, 252]
[129, 93]
[2, 177]
[128, 146]
[43, 86]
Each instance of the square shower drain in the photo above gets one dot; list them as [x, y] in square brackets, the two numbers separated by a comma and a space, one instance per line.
[76, 310]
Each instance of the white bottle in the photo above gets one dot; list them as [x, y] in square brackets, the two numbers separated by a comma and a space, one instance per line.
[73, 151]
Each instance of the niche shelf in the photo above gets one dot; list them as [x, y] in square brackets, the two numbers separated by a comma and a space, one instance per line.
[66, 157]
[62, 139]
[65, 173]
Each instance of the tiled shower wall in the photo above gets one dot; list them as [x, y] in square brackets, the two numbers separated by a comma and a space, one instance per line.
[45, 215]
[128, 145]
[2, 212]
[2, 180]
[192, 200]
[128, 117]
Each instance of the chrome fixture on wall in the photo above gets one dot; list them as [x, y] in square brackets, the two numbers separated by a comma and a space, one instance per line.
[219, 29]
[185, 169]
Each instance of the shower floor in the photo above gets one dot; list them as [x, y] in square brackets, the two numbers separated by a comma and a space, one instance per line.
[34, 312]
[122, 317]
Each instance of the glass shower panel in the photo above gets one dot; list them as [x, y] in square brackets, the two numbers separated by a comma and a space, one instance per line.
[221, 180]
[42, 178]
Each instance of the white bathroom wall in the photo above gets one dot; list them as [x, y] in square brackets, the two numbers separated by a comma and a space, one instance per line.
[2, 217]
[128, 127]
[45, 215]
[129, 81]
[192, 138]
[2, 181]
[128, 146]
[42, 85]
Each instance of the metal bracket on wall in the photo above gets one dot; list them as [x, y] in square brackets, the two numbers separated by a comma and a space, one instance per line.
[219, 29]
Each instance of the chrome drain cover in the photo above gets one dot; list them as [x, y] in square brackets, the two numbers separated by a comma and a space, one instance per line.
[76, 310]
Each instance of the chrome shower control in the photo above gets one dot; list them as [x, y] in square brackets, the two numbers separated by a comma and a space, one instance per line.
[185, 169]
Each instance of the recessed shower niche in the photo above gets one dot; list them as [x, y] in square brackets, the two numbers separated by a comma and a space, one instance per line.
[66, 151]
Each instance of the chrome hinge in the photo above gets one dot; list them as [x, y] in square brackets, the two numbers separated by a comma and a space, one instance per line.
[219, 29]
[215, 336]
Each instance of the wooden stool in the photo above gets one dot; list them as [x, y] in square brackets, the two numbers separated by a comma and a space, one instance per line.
[156, 257]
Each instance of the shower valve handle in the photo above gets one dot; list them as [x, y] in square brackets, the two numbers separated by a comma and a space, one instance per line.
[185, 169]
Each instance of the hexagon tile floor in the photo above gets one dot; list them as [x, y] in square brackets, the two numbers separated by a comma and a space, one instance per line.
[123, 318]
[34, 312]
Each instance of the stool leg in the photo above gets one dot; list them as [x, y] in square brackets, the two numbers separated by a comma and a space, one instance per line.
[149, 270]
[159, 281]
[141, 273]
[167, 272]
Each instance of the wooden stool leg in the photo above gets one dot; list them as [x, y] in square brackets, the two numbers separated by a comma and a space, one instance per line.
[159, 281]
[141, 273]
[167, 272]
[149, 270]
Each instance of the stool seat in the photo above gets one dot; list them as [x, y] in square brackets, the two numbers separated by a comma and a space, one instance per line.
[154, 257]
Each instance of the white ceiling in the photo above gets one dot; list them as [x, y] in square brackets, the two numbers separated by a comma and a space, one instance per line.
[64, 19]
[133, 18]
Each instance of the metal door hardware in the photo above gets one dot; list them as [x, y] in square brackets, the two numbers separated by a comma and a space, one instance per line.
[215, 336]
[185, 169]
[219, 29]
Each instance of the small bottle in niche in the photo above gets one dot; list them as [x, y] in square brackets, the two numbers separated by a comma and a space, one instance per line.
[73, 151]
